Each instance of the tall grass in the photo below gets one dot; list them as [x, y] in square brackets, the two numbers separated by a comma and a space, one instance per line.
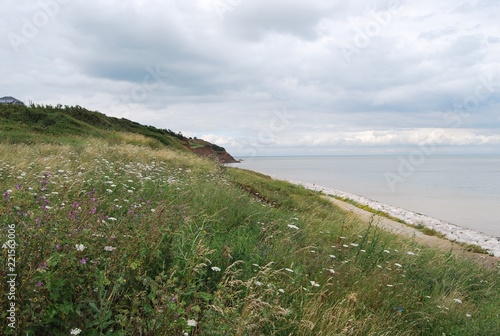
[126, 239]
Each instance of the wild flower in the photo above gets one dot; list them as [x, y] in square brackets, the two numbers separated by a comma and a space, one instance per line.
[39, 284]
[75, 331]
[215, 269]
[331, 270]
[109, 248]
[281, 290]
[332, 256]
[314, 283]
[258, 283]
[468, 315]
[80, 247]
[191, 323]
[83, 261]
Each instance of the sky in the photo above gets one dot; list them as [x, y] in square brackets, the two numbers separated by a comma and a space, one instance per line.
[273, 77]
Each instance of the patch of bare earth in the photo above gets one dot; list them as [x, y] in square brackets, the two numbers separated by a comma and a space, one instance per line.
[413, 233]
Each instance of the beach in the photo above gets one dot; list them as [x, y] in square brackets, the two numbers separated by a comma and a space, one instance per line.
[451, 232]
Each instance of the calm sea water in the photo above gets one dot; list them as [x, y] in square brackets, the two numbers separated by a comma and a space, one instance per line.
[462, 190]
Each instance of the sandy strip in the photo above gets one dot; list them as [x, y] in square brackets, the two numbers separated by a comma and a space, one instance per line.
[413, 233]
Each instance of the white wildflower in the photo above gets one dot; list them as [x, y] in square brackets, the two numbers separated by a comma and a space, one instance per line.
[331, 270]
[332, 256]
[75, 331]
[282, 291]
[314, 283]
[109, 248]
[468, 315]
[258, 283]
[112, 219]
[191, 323]
[215, 269]
[80, 248]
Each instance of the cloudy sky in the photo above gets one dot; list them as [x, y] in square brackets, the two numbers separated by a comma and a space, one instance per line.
[269, 77]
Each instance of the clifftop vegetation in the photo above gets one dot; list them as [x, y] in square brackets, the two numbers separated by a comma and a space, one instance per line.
[72, 124]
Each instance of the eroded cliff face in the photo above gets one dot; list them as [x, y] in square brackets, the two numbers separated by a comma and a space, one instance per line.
[221, 156]
[207, 149]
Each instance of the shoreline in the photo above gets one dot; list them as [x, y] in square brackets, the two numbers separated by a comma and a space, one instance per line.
[451, 232]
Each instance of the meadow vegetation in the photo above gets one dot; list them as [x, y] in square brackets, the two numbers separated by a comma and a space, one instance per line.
[124, 237]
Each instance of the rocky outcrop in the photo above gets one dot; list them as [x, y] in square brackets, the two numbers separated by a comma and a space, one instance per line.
[207, 149]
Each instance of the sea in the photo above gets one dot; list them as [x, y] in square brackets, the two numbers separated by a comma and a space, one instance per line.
[460, 189]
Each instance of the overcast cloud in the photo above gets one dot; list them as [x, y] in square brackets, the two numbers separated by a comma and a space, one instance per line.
[269, 77]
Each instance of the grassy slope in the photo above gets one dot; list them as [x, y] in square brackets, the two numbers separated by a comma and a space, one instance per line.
[71, 124]
[290, 262]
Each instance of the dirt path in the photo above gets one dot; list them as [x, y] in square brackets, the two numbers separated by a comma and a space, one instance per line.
[412, 233]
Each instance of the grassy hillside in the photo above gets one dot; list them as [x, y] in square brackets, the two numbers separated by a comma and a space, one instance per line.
[133, 239]
[73, 124]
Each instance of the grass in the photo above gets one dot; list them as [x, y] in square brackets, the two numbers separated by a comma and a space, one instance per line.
[129, 239]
